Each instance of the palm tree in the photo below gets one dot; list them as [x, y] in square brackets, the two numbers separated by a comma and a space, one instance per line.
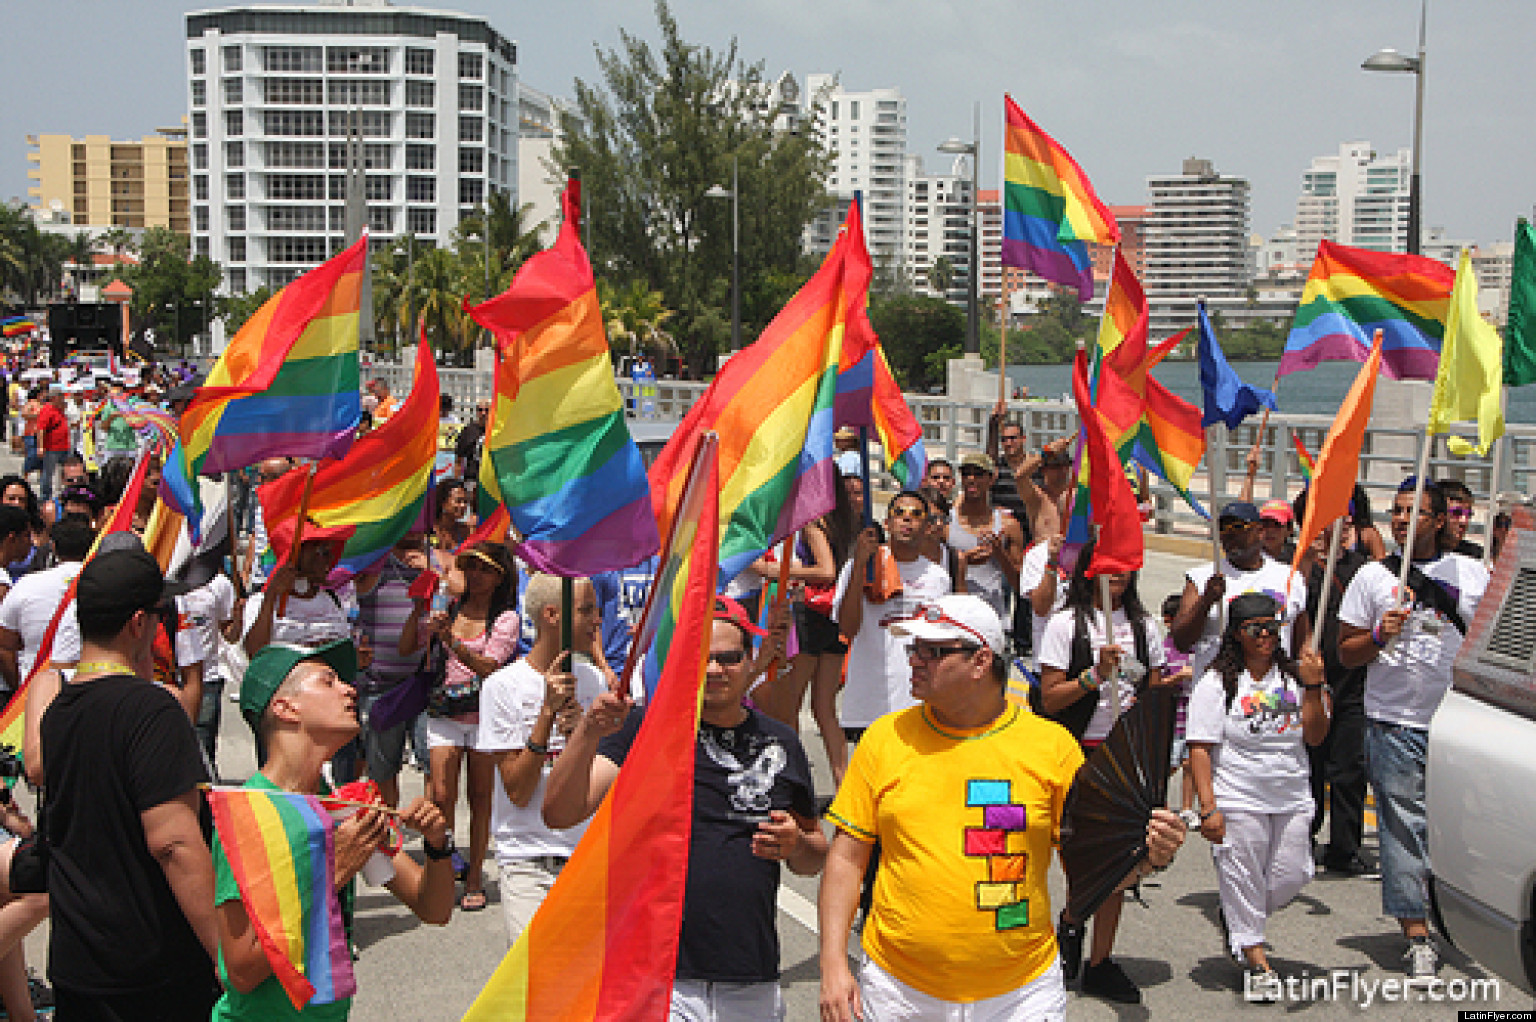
[80, 251]
[941, 274]
[635, 314]
[438, 289]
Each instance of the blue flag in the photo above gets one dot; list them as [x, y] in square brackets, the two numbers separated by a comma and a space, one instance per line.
[1225, 396]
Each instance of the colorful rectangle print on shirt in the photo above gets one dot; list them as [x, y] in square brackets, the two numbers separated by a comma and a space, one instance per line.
[1002, 819]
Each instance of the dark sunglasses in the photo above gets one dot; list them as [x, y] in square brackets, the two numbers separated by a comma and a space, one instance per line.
[933, 654]
[728, 657]
[1259, 629]
[1236, 525]
[906, 512]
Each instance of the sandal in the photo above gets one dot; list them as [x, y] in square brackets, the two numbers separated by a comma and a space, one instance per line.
[472, 901]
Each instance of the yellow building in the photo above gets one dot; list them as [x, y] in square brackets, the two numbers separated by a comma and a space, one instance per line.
[101, 183]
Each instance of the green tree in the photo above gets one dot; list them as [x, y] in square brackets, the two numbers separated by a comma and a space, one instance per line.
[80, 250]
[31, 260]
[650, 138]
[437, 288]
[634, 316]
[941, 276]
[920, 335]
[174, 291]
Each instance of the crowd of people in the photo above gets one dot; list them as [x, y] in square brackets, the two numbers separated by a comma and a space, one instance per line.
[917, 637]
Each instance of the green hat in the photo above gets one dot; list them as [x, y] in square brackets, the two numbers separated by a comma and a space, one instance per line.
[273, 663]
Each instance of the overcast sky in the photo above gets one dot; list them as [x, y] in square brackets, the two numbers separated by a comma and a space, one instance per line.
[1130, 87]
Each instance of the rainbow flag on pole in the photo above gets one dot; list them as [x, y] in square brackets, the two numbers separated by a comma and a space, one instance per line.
[1353, 292]
[279, 846]
[558, 453]
[380, 486]
[1308, 467]
[868, 395]
[603, 945]
[287, 384]
[1050, 210]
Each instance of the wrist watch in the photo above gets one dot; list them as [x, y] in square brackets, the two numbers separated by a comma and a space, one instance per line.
[438, 854]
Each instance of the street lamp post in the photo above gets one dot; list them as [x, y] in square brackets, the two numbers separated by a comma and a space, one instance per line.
[734, 194]
[973, 272]
[1392, 61]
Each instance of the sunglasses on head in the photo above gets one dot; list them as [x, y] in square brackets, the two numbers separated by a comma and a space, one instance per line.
[1259, 629]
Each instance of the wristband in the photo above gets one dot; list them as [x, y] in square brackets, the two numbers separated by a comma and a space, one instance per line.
[537, 748]
[1082, 681]
[438, 854]
[1312, 688]
[1377, 639]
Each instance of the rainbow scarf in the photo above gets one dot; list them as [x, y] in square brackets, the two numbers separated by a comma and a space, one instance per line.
[1353, 292]
[380, 486]
[1050, 209]
[603, 945]
[279, 845]
[772, 406]
[287, 384]
[557, 451]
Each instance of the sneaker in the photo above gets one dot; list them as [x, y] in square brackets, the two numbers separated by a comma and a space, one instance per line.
[1423, 962]
[1109, 981]
[1261, 986]
[1069, 938]
[1191, 819]
[1354, 866]
[40, 992]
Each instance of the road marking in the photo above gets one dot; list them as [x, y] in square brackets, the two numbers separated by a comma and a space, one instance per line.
[797, 907]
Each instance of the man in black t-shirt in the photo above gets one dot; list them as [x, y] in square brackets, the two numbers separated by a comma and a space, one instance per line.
[753, 808]
[471, 442]
[130, 877]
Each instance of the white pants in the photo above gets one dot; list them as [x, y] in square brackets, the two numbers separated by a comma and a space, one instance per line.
[888, 999]
[1264, 862]
[524, 883]
[697, 1000]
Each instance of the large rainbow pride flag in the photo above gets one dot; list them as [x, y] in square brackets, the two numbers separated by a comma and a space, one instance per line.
[603, 945]
[1050, 209]
[868, 395]
[287, 384]
[280, 849]
[1353, 292]
[380, 486]
[558, 453]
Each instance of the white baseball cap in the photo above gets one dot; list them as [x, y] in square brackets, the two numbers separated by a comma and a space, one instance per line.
[961, 617]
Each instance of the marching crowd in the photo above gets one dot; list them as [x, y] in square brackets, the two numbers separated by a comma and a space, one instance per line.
[909, 635]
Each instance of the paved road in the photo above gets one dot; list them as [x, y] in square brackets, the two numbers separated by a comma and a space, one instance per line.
[1171, 946]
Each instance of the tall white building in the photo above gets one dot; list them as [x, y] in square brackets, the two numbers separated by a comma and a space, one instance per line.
[272, 93]
[1355, 197]
[1196, 244]
[866, 133]
[938, 211]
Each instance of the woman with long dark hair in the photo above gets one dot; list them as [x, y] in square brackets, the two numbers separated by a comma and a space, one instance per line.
[1249, 715]
[478, 635]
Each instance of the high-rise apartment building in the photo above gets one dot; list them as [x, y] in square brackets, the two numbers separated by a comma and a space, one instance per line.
[866, 133]
[275, 92]
[1196, 242]
[1133, 245]
[1355, 197]
[100, 182]
[938, 226]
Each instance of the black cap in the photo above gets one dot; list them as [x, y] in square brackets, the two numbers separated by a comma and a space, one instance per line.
[116, 583]
[1241, 510]
[1249, 606]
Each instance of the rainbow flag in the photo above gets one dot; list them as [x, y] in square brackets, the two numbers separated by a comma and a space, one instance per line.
[1308, 467]
[287, 384]
[1352, 292]
[279, 845]
[603, 945]
[1119, 543]
[380, 486]
[1050, 210]
[868, 395]
[557, 451]
[773, 407]
[15, 326]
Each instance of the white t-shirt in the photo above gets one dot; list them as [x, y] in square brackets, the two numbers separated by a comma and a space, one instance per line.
[29, 607]
[509, 703]
[1055, 650]
[1031, 574]
[203, 612]
[1406, 681]
[1269, 578]
[312, 621]
[1259, 761]
[879, 677]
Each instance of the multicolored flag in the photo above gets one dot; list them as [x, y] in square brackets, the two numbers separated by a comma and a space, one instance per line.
[1304, 459]
[868, 395]
[1470, 384]
[1353, 292]
[287, 384]
[772, 405]
[380, 486]
[1119, 545]
[1520, 330]
[1227, 398]
[557, 451]
[15, 326]
[603, 945]
[280, 848]
[1050, 210]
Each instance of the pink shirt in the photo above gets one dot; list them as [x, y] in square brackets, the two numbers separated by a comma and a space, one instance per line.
[497, 642]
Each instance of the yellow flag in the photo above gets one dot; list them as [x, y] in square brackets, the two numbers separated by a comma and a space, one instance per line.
[1467, 387]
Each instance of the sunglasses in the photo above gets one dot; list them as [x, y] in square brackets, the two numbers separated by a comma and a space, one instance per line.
[1238, 525]
[1459, 513]
[728, 657]
[1259, 629]
[933, 654]
[1012, 438]
[906, 512]
[971, 470]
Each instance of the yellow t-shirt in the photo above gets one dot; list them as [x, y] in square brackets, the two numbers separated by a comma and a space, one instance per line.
[966, 821]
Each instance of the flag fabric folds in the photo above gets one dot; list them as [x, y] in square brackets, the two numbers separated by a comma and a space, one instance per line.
[1520, 330]
[1338, 463]
[603, 945]
[1308, 468]
[1119, 543]
[280, 848]
[380, 486]
[1227, 399]
[1050, 210]
[286, 385]
[1470, 383]
[868, 395]
[557, 451]
[772, 405]
[1353, 292]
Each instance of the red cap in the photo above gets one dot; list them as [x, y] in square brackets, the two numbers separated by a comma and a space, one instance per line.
[280, 537]
[727, 609]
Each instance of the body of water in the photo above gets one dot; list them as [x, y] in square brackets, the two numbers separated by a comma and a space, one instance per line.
[1318, 391]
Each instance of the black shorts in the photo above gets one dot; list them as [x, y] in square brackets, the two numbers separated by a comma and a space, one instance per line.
[817, 633]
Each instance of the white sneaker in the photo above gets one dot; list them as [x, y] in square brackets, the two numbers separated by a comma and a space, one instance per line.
[1423, 962]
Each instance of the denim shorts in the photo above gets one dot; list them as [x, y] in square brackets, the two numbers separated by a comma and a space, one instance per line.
[1395, 757]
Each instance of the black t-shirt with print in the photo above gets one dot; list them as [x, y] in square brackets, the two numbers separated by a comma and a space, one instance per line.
[740, 775]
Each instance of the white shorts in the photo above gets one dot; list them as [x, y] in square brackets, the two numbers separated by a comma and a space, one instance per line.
[445, 732]
[888, 999]
[697, 1000]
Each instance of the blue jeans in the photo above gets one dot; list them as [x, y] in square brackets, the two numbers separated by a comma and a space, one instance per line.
[1395, 757]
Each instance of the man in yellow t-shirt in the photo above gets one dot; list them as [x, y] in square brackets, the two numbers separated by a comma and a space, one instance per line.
[964, 793]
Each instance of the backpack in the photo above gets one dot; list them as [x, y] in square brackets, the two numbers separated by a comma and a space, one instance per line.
[1427, 592]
